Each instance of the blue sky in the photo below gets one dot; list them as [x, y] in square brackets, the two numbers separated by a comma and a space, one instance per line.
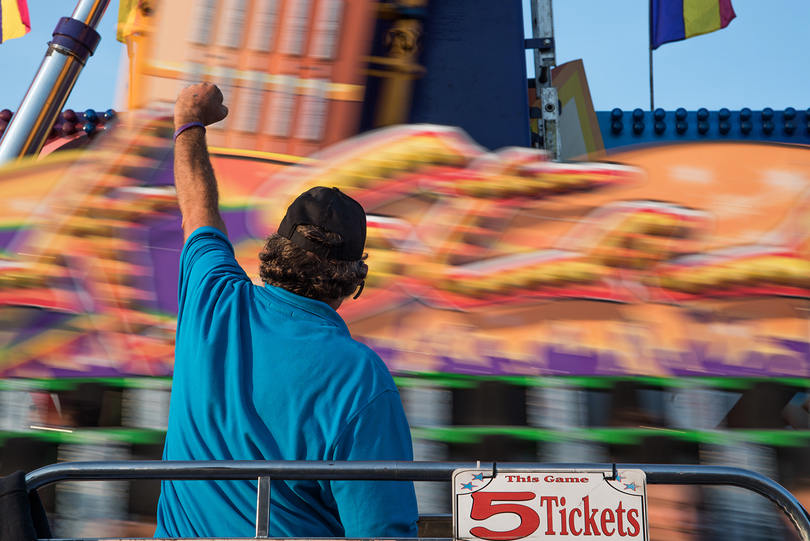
[758, 61]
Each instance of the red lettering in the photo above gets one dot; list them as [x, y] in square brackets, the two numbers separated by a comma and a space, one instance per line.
[552, 479]
[563, 523]
[633, 522]
[535, 479]
[510, 478]
[483, 509]
[590, 521]
[548, 500]
[607, 518]
[574, 511]
[620, 517]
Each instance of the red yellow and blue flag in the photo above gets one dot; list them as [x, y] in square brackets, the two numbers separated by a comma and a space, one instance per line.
[674, 20]
[14, 19]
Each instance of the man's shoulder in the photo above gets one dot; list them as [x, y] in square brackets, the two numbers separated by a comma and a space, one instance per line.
[363, 359]
[206, 235]
[208, 255]
[368, 354]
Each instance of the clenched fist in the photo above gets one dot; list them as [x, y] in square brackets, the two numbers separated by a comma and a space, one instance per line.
[199, 103]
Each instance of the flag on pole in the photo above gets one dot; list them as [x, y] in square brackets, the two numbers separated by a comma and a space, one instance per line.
[674, 20]
[579, 127]
[14, 19]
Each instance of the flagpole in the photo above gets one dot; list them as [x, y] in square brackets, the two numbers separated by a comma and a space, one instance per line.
[652, 93]
[650, 28]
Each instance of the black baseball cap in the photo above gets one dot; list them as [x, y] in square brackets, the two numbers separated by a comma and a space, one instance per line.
[333, 210]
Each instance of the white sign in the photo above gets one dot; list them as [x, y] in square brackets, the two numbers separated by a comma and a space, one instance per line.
[549, 504]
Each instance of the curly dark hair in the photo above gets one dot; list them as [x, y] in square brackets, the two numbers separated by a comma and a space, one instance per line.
[286, 265]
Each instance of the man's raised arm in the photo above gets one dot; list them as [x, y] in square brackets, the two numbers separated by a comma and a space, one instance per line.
[197, 106]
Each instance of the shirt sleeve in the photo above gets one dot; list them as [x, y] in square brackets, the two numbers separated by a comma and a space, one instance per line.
[377, 508]
[207, 258]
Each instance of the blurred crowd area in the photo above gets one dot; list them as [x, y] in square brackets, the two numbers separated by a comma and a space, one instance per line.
[761, 425]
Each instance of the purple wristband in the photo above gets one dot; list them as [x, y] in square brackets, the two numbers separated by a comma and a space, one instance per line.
[184, 127]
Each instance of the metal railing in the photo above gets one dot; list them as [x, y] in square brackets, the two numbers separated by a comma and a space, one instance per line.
[403, 471]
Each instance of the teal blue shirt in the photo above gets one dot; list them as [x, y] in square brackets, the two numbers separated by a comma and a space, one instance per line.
[262, 373]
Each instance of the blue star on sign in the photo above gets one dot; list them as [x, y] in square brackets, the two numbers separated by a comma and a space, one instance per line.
[468, 486]
[478, 477]
[630, 486]
[619, 477]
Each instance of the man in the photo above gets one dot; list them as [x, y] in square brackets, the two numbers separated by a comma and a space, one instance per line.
[272, 372]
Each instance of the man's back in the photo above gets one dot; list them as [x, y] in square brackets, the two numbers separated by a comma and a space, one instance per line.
[261, 373]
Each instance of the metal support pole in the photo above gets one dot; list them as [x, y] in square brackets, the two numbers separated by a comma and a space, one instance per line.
[652, 87]
[74, 41]
[551, 122]
[544, 59]
[263, 508]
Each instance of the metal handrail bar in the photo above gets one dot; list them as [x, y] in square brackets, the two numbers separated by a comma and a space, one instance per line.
[408, 471]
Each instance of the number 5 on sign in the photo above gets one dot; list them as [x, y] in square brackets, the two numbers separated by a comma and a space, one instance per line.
[549, 504]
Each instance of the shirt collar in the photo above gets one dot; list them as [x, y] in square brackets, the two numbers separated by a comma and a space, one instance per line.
[317, 308]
